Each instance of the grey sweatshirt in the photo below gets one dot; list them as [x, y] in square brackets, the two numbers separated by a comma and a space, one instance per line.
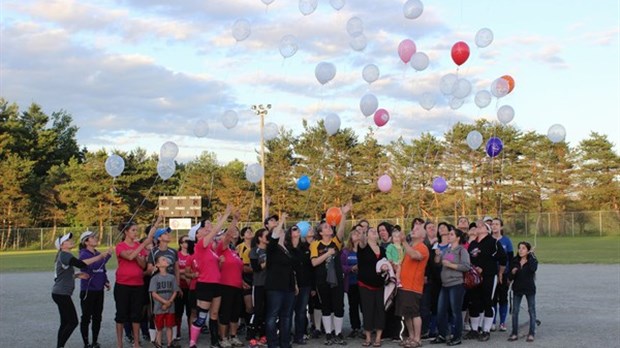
[460, 256]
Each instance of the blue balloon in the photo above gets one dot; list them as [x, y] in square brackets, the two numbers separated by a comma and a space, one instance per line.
[494, 146]
[304, 227]
[303, 183]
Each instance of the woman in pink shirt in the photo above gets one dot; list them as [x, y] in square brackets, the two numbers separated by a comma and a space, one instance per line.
[128, 289]
[231, 281]
[208, 293]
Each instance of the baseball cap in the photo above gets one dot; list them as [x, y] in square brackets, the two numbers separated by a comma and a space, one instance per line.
[161, 231]
[274, 216]
[487, 218]
[63, 239]
[192, 232]
[85, 235]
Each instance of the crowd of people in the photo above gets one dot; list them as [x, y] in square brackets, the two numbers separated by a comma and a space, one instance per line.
[285, 285]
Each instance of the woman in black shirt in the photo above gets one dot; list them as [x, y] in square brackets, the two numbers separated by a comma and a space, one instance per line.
[371, 286]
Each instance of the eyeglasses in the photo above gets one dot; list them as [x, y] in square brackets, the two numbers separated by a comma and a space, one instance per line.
[184, 241]
[294, 229]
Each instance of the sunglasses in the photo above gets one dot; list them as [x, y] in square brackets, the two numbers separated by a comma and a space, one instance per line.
[294, 228]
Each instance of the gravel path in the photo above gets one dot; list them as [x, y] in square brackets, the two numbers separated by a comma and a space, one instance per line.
[579, 306]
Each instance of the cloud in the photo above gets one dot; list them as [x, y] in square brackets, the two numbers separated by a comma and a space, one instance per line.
[550, 55]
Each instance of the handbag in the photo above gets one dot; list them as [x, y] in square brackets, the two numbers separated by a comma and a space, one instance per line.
[472, 278]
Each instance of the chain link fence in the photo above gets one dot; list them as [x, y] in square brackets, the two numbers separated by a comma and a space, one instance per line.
[571, 224]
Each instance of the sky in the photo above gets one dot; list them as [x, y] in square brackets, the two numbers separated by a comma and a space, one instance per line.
[138, 73]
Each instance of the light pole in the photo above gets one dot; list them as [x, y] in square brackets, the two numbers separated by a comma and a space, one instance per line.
[262, 111]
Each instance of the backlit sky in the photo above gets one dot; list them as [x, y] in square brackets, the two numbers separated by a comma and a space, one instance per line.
[137, 73]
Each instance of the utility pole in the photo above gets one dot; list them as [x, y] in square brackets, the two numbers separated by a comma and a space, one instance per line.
[261, 111]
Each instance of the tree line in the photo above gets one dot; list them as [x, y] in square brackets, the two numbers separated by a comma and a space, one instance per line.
[47, 180]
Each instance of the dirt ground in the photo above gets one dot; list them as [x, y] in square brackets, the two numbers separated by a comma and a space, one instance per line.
[579, 306]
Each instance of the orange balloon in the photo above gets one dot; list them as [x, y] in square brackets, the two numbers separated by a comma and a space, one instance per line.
[511, 82]
[333, 216]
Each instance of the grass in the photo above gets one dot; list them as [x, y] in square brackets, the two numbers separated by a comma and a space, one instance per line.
[557, 250]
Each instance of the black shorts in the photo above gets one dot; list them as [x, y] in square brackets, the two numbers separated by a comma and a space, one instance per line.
[129, 300]
[230, 307]
[207, 291]
[408, 304]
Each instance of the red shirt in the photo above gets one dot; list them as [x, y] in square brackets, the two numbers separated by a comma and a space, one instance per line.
[208, 263]
[128, 272]
[231, 269]
[184, 261]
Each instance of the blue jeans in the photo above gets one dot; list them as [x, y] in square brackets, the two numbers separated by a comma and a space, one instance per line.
[301, 303]
[450, 301]
[531, 308]
[279, 307]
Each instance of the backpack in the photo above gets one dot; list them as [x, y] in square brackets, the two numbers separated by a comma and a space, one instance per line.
[472, 278]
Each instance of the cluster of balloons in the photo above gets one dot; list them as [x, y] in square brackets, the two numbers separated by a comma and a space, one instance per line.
[355, 29]
[166, 165]
[114, 165]
[254, 172]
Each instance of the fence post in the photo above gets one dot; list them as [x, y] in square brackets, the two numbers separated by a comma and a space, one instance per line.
[549, 224]
[573, 222]
[41, 239]
[600, 223]
[526, 224]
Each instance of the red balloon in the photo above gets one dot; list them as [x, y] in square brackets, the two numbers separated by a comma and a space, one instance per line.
[460, 53]
[381, 117]
[333, 216]
[511, 82]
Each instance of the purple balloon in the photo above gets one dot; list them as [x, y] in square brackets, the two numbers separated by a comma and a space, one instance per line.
[440, 185]
[494, 146]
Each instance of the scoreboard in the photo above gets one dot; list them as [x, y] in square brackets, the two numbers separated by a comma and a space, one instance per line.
[180, 206]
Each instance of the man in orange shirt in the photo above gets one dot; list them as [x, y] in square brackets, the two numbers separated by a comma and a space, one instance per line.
[412, 279]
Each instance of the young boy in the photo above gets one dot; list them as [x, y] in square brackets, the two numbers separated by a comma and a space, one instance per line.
[163, 289]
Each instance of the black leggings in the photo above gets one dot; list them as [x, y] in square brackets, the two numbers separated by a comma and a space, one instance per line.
[481, 298]
[353, 295]
[92, 308]
[332, 299]
[68, 318]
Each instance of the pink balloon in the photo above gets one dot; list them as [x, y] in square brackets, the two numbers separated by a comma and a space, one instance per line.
[384, 183]
[381, 117]
[406, 49]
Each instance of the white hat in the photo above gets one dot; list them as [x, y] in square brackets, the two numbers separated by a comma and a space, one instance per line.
[85, 235]
[487, 218]
[63, 239]
[192, 232]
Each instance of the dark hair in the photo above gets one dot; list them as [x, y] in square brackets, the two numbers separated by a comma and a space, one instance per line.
[363, 220]
[427, 223]
[528, 246]
[243, 230]
[462, 236]
[123, 226]
[501, 225]
[472, 225]
[388, 227]
[398, 228]
[258, 234]
[416, 220]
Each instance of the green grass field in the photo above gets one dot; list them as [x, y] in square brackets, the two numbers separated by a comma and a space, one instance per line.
[558, 250]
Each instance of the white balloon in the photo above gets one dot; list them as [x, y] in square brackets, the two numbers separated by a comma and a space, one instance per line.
[505, 114]
[355, 26]
[474, 139]
[369, 104]
[462, 88]
[254, 173]
[165, 169]
[201, 128]
[267, 2]
[419, 61]
[483, 98]
[168, 151]
[412, 9]
[358, 42]
[241, 30]
[325, 72]
[288, 46]
[332, 123]
[270, 131]
[447, 84]
[427, 101]
[499, 87]
[370, 73]
[484, 37]
[114, 165]
[556, 133]
[306, 7]
[230, 119]
[337, 4]
[456, 103]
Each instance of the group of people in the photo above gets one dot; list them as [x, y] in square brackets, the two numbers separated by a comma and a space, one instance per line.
[287, 284]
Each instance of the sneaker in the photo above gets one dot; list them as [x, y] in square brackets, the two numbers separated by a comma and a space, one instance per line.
[438, 339]
[353, 334]
[236, 342]
[262, 341]
[454, 342]
[95, 345]
[493, 328]
[339, 339]
[300, 342]
[471, 335]
[502, 327]
[329, 340]
[87, 346]
[129, 339]
[485, 336]
[316, 333]
[467, 327]
[225, 343]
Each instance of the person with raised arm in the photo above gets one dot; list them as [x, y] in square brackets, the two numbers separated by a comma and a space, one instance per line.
[64, 284]
[325, 257]
[208, 293]
[129, 287]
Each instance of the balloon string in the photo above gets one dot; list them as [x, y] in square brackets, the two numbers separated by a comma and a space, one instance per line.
[137, 209]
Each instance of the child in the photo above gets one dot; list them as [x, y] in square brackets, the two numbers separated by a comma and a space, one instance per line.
[395, 253]
[523, 274]
[163, 289]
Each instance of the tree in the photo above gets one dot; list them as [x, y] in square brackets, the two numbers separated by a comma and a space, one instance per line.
[14, 202]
